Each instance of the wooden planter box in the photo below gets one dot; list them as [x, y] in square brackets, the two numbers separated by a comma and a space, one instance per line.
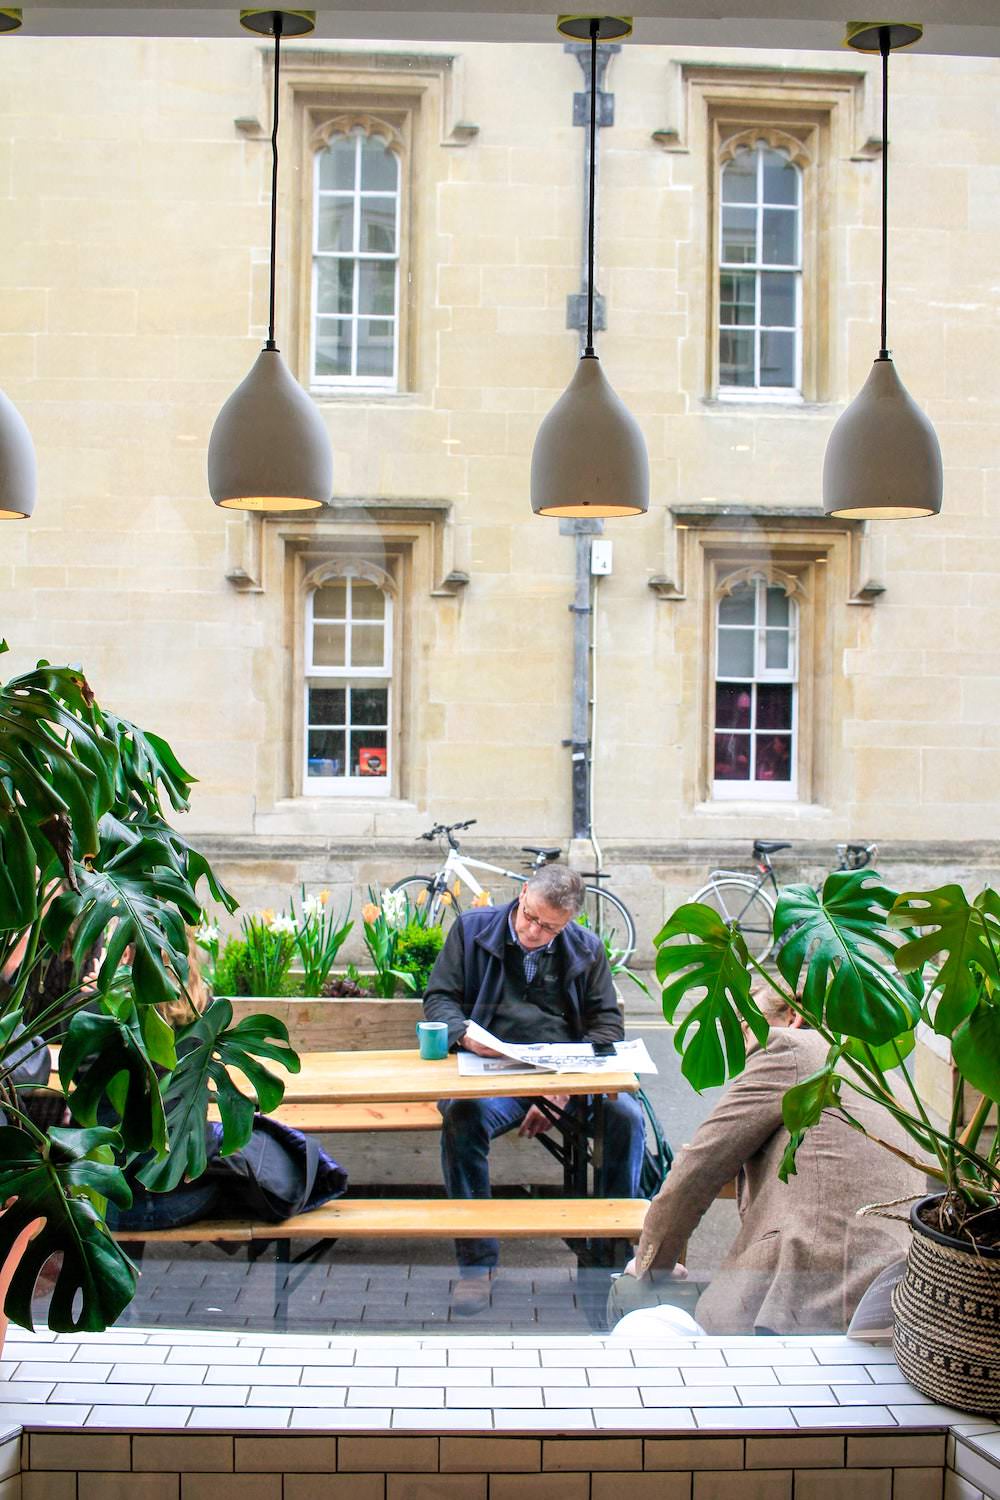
[347, 1024]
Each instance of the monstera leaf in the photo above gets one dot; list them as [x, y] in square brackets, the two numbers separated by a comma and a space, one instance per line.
[146, 763]
[18, 868]
[135, 902]
[126, 827]
[975, 1047]
[832, 950]
[56, 1181]
[712, 964]
[967, 933]
[108, 1055]
[208, 1051]
[803, 1105]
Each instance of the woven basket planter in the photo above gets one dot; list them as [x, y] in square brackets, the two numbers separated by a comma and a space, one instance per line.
[946, 1331]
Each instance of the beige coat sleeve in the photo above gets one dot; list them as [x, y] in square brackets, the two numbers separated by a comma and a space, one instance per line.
[746, 1116]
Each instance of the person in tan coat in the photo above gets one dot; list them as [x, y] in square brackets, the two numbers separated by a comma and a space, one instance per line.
[802, 1258]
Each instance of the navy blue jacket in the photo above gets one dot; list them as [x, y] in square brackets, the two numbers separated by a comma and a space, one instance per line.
[466, 982]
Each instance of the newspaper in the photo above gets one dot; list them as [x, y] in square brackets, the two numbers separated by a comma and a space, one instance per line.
[550, 1057]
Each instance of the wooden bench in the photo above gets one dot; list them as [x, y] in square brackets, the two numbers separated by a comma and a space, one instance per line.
[424, 1218]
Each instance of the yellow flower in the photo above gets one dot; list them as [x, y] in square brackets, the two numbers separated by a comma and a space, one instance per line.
[370, 913]
[324, 897]
[267, 916]
[483, 899]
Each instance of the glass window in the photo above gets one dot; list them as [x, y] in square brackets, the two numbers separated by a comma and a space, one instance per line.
[356, 263]
[760, 293]
[348, 688]
[754, 728]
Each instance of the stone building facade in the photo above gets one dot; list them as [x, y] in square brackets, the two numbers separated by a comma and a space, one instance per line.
[760, 671]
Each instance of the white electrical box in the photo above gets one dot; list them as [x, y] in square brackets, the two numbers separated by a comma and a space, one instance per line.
[600, 555]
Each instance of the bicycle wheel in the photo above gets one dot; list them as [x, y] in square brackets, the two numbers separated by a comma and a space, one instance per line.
[611, 920]
[742, 902]
[429, 900]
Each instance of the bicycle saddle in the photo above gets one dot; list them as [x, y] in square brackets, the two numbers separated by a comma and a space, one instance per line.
[766, 846]
[548, 853]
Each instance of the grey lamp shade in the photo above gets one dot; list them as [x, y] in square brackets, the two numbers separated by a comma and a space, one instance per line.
[18, 472]
[269, 448]
[883, 460]
[589, 457]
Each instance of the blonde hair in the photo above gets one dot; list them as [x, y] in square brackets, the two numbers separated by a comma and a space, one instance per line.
[776, 1010]
[178, 1012]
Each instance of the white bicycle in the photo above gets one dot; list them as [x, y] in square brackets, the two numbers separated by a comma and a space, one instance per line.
[441, 895]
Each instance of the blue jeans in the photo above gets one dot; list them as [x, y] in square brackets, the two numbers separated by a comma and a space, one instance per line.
[470, 1125]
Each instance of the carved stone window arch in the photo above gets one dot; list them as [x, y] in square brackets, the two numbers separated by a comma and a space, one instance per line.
[773, 576]
[353, 567]
[769, 135]
[369, 124]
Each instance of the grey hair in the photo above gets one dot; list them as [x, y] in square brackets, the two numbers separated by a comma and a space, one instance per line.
[558, 886]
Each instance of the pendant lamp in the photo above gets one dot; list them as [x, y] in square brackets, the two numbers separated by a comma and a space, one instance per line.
[269, 448]
[883, 460]
[589, 457]
[18, 475]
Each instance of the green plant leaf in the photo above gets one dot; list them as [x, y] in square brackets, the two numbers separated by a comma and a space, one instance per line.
[712, 966]
[885, 1057]
[18, 878]
[55, 1181]
[208, 1054]
[101, 1049]
[833, 950]
[803, 1105]
[966, 933]
[146, 763]
[975, 1047]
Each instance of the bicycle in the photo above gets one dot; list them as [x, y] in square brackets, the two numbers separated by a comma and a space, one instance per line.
[438, 896]
[741, 898]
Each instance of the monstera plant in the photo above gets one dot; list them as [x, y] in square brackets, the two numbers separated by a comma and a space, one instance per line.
[97, 892]
[864, 966]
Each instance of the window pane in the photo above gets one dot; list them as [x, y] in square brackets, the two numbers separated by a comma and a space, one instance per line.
[737, 297]
[777, 644]
[378, 226]
[326, 753]
[732, 757]
[375, 347]
[378, 288]
[738, 608]
[370, 706]
[774, 705]
[369, 752]
[732, 705]
[336, 163]
[335, 229]
[780, 236]
[328, 645]
[736, 653]
[777, 299]
[739, 235]
[774, 757]
[777, 358]
[367, 600]
[781, 179]
[735, 358]
[739, 178]
[379, 172]
[330, 601]
[367, 645]
[333, 346]
[327, 706]
[778, 606]
[334, 285]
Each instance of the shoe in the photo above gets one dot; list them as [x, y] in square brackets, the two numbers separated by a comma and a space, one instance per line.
[471, 1295]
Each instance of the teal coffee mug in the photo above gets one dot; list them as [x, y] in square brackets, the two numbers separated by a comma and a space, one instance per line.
[433, 1039]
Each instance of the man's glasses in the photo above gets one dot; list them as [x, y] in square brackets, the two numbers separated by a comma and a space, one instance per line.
[529, 916]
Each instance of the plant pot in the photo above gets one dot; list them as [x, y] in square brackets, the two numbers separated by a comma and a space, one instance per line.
[946, 1330]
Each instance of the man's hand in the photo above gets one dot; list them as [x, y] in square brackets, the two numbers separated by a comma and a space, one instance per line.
[536, 1121]
[471, 1045]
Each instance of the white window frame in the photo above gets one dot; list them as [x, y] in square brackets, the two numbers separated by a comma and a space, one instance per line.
[354, 381]
[758, 268]
[347, 676]
[751, 789]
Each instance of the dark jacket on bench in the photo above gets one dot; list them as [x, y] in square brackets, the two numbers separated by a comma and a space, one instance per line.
[467, 980]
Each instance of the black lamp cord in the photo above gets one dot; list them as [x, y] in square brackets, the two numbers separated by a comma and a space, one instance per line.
[589, 353]
[274, 177]
[883, 44]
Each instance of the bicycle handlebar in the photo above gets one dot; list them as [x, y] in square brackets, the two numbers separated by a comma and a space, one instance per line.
[446, 829]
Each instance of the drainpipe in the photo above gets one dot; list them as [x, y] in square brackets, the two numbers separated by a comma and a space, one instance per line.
[582, 608]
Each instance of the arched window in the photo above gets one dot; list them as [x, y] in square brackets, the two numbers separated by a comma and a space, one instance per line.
[348, 685]
[356, 237]
[756, 674]
[760, 272]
